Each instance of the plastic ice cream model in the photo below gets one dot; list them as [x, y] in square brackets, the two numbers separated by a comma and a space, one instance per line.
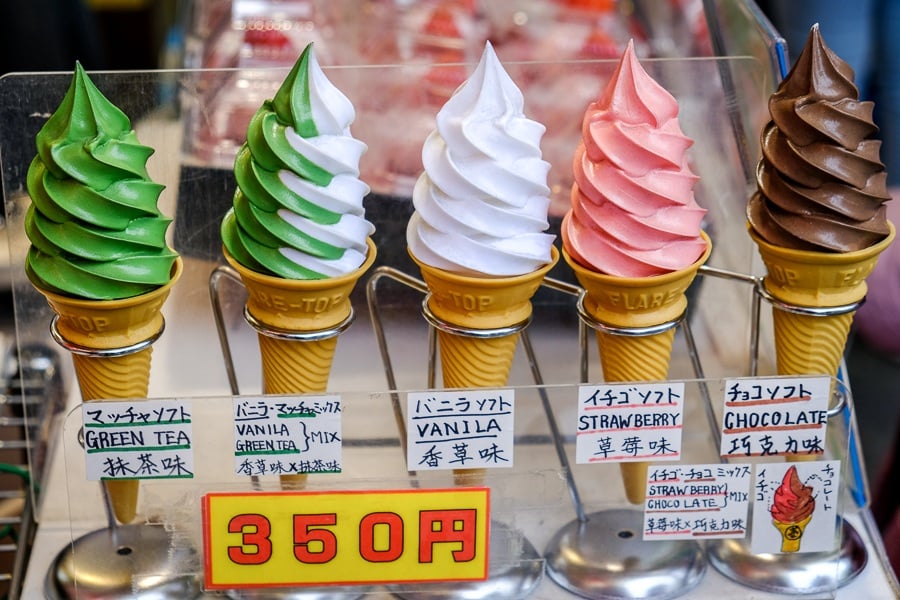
[633, 234]
[298, 211]
[818, 217]
[633, 210]
[296, 233]
[792, 509]
[477, 233]
[98, 249]
[481, 204]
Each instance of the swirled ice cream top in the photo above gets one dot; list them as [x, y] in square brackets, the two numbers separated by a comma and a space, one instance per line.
[95, 229]
[481, 204]
[633, 209]
[793, 501]
[298, 209]
[821, 183]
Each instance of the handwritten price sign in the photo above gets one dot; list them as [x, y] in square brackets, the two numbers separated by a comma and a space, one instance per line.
[355, 537]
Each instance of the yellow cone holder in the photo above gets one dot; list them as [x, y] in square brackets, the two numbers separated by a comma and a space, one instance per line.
[296, 481]
[789, 573]
[317, 335]
[215, 294]
[634, 474]
[830, 357]
[127, 487]
[810, 311]
[524, 575]
[467, 477]
[148, 544]
[589, 548]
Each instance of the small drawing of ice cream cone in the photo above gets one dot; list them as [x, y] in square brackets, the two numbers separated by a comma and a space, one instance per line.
[792, 509]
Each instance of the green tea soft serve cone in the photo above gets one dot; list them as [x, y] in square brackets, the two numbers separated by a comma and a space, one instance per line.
[98, 248]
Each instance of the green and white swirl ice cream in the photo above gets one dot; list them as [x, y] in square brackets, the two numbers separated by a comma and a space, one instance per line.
[95, 229]
[298, 210]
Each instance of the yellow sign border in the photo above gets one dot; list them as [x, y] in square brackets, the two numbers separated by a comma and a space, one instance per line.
[345, 537]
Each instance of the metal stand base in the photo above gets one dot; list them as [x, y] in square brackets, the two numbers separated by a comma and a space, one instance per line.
[604, 558]
[792, 573]
[515, 571]
[133, 561]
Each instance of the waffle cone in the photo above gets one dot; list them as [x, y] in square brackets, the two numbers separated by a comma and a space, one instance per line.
[106, 325]
[791, 533]
[291, 366]
[636, 302]
[807, 344]
[479, 303]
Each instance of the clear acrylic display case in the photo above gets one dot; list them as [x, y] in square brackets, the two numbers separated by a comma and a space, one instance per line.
[720, 102]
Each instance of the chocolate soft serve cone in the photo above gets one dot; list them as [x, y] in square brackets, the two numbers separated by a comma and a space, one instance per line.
[477, 232]
[818, 217]
[297, 234]
[98, 250]
[633, 234]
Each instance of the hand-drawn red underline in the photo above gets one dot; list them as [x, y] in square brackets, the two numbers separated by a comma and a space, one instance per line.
[770, 401]
[773, 428]
[630, 429]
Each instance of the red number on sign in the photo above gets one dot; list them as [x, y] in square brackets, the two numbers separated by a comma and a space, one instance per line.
[367, 525]
[313, 545]
[254, 530]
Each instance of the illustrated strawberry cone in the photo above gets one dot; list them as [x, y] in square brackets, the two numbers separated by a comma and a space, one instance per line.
[479, 303]
[793, 506]
[810, 344]
[791, 533]
[636, 302]
[291, 305]
[111, 325]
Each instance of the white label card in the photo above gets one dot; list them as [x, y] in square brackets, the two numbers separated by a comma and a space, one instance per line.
[462, 429]
[774, 417]
[795, 507]
[696, 501]
[145, 439]
[287, 435]
[629, 422]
